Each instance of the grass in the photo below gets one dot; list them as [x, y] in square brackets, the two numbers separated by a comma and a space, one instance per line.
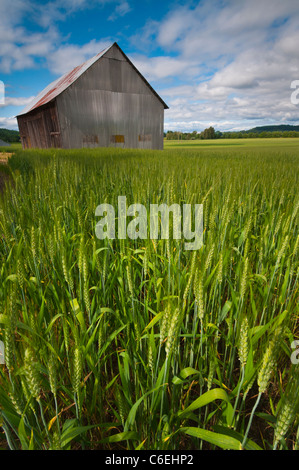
[258, 143]
[139, 344]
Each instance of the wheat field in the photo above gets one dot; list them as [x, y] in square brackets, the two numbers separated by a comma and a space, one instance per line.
[140, 344]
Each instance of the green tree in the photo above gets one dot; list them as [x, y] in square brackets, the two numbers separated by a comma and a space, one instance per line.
[209, 133]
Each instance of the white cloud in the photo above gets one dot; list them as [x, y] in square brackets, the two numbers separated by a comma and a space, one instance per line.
[8, 123]
[16, 101]
[175, 27]
[56, 10]
[214, 28]
[120, 10]
[244, 56]
[157, 68]
[68, 56]
[145, 38]
[21, 48]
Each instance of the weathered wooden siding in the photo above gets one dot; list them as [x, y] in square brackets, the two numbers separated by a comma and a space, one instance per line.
[40, 128]
[110, 99]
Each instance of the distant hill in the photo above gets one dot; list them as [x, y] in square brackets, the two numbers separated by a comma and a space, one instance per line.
[9, 136]
[279, 128]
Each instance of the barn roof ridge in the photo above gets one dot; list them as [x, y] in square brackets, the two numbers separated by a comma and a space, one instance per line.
[139, 73]
[59, 85]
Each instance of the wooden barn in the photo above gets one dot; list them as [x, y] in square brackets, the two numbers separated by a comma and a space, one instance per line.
[104, 102]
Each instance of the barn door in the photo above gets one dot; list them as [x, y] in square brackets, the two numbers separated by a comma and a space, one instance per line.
[24, 141]
[37, 133]
[55, 130]
[55, 139]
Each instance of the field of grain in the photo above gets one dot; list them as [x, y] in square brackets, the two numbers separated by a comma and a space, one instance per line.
[140, 344]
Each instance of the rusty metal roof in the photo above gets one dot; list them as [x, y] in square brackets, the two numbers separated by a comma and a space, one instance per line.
[58, 86]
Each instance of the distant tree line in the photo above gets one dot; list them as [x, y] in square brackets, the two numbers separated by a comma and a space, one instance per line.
[255, 135]
[210, 133]
[9, 136]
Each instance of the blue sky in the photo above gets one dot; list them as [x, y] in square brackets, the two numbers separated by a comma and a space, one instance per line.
[225, 63]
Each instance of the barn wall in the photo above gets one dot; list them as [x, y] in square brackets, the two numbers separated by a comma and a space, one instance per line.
[40, 128]
[110, 105]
